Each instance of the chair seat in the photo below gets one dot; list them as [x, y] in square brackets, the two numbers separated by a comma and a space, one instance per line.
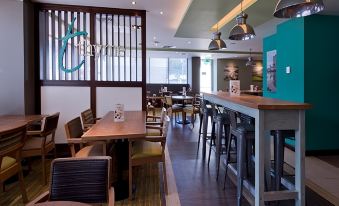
[143, 149]
[7, 162]
[35, 142]
[92, 150]
[152, 132]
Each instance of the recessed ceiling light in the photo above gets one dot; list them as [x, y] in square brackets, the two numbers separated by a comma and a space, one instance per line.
[134, 3]
[189, 42]
[161, 12]
[154, 38]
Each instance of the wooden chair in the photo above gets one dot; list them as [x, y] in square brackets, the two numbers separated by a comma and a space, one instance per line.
[149, 150]
[194, 108]
[86, 180]
[41, 142]
[154, 128]
[11, 143]
[176, 108]
[88, 119]
[74, 132]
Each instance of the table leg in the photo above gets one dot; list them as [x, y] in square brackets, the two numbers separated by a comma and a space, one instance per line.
[259, 159]
[300, 160]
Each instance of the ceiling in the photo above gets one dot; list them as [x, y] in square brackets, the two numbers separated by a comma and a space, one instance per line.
[185, 24]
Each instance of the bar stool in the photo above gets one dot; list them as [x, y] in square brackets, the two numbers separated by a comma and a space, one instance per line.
[222, 121]
[207, 111]
[279, 146]
[244, 134]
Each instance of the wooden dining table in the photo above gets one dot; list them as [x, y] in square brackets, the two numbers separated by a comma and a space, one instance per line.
[8, 122]
[132, 128]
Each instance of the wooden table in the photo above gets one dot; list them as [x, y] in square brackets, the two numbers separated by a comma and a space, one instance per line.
[61, 203]
[12, 121]
[134, 127]
[269, 114]
[183, 98]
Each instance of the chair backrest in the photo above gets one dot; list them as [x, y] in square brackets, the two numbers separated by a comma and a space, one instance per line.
[246, 119]
[50, 123]
[12, 140]
[74, 128]
[87, 117]
[165, 126]
[162, 114]
[168, 100]
[84, 180]
[233, 118]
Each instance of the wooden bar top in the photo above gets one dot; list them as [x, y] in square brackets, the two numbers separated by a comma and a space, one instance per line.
[134, 126]
[258, 102]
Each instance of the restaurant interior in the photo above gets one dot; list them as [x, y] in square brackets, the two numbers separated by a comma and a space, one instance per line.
[169, 102]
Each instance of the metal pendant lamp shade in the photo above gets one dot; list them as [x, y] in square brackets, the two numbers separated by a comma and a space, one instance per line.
[297, 8]
[217, 43]
[242, 31]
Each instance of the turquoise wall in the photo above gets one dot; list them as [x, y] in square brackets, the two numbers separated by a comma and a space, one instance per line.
[290, 52]
[308, 45]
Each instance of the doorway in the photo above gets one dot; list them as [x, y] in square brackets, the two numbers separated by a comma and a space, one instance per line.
[206, 75]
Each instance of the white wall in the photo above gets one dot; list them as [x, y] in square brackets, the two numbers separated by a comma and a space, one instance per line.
[11, 57]
[107, 97]
[69, 101]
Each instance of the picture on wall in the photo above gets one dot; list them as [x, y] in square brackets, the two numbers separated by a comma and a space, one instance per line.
[272, 71]
[257, 74]
[231, 73]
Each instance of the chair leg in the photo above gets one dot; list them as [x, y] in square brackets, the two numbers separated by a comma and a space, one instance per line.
[43, 165]
[218, 146]
[165, 176]
[130, 185]
[22, 185]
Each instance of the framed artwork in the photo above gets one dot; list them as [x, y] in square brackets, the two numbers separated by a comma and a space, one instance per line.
[271, 65]
[231, 73]
[257, 73]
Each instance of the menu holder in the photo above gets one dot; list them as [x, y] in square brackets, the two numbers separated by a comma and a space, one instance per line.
[119, 113]
[235, 87]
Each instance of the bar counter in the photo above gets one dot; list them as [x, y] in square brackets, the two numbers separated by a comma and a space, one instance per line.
[270, 114]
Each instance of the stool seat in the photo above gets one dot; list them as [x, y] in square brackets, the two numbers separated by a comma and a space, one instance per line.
[223, 118]
[244, 128]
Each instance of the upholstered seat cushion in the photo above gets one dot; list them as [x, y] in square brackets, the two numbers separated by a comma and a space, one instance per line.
[143, 149]
[92, 150]
[35, 142]
[7, 162]
[152, 132]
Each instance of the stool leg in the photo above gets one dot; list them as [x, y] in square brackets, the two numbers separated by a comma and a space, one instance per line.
[204, 135]
[200, 126]
[240, 166]
[218, 146]
[228, 151]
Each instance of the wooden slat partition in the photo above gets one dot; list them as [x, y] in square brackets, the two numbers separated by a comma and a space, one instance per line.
[127, 68]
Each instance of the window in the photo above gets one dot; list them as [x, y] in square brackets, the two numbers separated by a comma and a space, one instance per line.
[177, 72]
[167, 71]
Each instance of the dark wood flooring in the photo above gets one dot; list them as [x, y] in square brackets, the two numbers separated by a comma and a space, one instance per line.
[196, 182]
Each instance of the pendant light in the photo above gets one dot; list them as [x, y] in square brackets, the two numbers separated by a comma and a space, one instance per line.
[217, 43]
[297, 8]
[250, 62]
[242, 30]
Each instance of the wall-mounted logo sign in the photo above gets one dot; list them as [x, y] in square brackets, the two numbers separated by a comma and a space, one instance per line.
[86, 49]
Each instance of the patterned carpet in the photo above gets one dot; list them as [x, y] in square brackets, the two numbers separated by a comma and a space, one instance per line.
[146, 178]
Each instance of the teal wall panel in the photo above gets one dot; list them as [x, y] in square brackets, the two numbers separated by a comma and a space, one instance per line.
[321, 81]
[309, 46]
[289, 43]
